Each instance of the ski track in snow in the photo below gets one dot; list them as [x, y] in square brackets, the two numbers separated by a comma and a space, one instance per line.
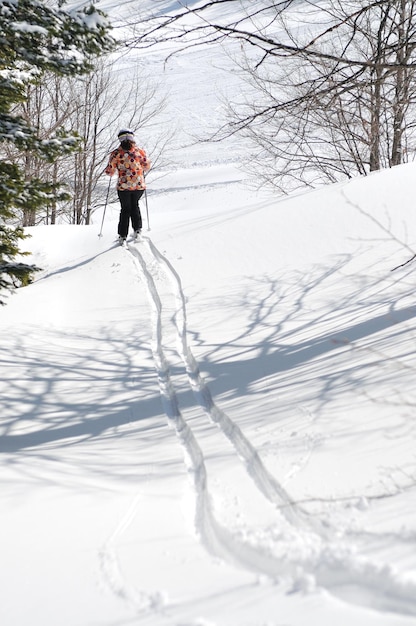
[109, 567]
[333, 565]
[216, 538]
[255, 468]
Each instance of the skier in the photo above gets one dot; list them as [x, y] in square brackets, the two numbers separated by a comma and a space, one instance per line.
[131, 163]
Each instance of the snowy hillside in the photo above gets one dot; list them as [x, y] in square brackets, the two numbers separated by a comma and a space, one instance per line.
[215, 426]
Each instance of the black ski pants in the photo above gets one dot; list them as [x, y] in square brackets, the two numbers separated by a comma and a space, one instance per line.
[129, 201]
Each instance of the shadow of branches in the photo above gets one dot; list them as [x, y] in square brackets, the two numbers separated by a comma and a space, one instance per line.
[85, 400]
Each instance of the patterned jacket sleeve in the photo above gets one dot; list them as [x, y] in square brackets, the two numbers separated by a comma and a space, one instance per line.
[112, 164]
[144, 161]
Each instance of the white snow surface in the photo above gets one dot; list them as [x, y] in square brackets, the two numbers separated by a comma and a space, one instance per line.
[215, 426]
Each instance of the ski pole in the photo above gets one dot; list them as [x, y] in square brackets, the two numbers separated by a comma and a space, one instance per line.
[147, 209]
[105, 206]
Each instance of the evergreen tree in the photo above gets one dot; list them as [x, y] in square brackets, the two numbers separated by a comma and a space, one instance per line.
[36, 37]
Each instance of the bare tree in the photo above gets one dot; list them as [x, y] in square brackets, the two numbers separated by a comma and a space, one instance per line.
[46, 108]
[340, 122]
[331, 85]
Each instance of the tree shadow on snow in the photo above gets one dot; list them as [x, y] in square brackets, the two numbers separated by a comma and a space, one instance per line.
[302, 333]
[62, 390]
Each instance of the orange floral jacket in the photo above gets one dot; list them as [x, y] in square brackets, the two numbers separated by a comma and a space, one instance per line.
[131, 167]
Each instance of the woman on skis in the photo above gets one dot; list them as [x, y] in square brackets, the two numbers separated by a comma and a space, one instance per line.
[131, 163]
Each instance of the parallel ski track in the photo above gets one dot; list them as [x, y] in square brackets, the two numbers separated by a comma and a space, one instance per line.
[218, 540]
[335, 566]
[264, 481]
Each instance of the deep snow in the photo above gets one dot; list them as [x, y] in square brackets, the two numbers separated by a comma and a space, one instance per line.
[215, 426]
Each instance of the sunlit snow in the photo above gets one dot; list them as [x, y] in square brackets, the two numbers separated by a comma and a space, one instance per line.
[214, 426]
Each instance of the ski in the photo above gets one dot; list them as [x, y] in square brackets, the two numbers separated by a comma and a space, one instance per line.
[136, 238]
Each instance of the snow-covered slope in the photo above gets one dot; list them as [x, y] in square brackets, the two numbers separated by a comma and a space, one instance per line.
[274, 482]
[215, 426]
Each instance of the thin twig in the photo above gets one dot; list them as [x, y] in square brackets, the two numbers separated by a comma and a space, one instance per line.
[403, 264]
